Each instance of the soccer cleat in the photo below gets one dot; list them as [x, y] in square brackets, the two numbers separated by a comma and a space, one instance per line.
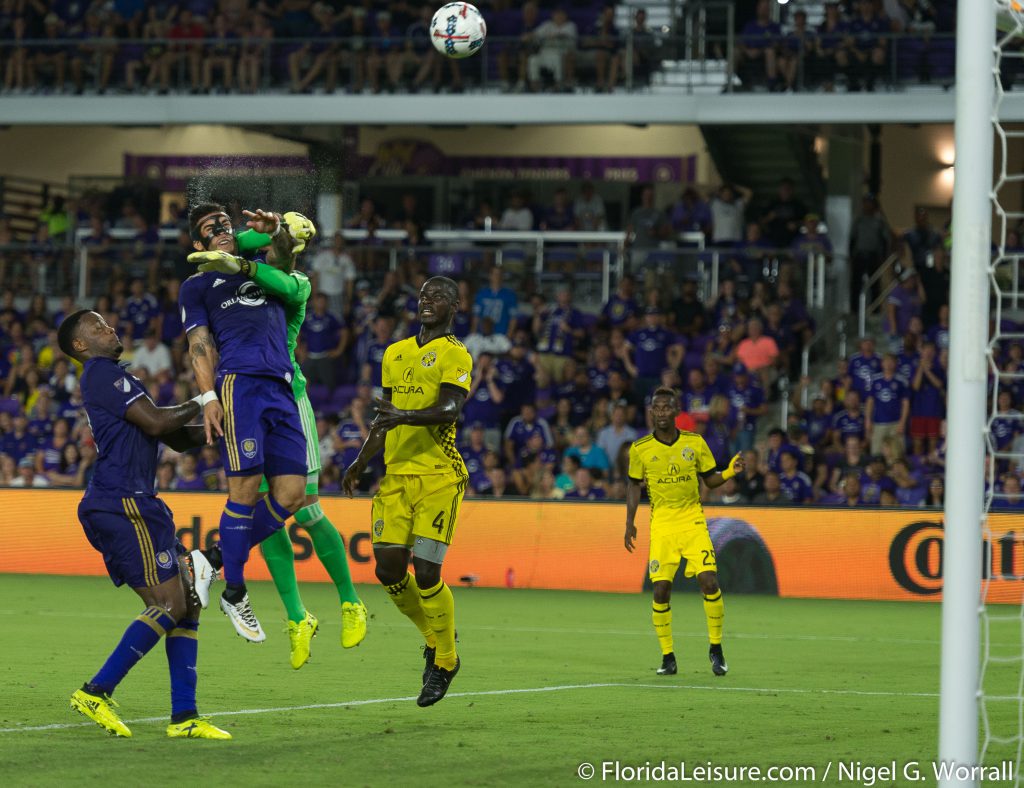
[668, 665]
[429, 652]
[100, 709]
[300, 636]
[437, 683]
[196, 728]
[203, 575]
[353, 624]
[243, 619]
[718, 666]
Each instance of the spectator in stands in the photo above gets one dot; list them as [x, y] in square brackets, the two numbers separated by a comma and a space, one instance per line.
[909, 489]
[798, 55]
[602, 47]
[874, 481]
[153, 357]
[517, 216]
[690, 214]
[936, 493]
[848, 493]
[559, 330]
[222, 54]
[521, 428]
[795, 484]
[869, 245]
[920, 240]
[645, 49]
[555, 47]
[373, 352]
[18, 71]
[27, 476]
[512, 56]
[589, 453]
[560, 215]
[621, 310]
[584, 488]
[186, 46]
[758, 353]
[689, 316]
[848, 422]
[588, 209]
[757, 48]
[334, 274]
[653, 348]
[832, 52]
[367, 216]
[928, 404]
[140, 309]
[617, 434]
[728, 211]
[867, 47]
[53, 55]
[483, 406]
[94, 53]
[646, 229]
[497, 302]
[256, 41]
[772, 494]
[748, 401]
[784, 216]
[487, 340]
[888, 405]
[902, 305]
[326, 338]
[864, 365]
[935, 290]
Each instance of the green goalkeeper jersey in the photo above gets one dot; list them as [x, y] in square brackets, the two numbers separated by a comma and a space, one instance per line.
[293, 290]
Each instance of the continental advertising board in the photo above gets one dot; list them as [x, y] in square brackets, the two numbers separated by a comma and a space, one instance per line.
[793, 552]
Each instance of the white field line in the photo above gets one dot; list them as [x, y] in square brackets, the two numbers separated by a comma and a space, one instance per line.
[719, 687]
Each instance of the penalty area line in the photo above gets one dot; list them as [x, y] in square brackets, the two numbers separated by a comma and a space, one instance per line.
[483, 693]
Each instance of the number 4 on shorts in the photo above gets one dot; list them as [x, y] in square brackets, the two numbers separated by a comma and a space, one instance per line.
[438, 523]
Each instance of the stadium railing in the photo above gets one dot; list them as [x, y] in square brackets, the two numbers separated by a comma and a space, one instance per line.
[689, 55]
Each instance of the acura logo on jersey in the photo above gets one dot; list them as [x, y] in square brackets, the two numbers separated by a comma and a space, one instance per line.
[248, 294]
[407, 375]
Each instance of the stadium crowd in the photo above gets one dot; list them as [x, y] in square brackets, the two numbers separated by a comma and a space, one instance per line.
[558, 394]
[248, 46]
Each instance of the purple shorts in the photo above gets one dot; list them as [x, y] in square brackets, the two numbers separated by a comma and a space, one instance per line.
[262, 431]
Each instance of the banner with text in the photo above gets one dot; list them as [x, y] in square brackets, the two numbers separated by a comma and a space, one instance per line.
[799, 552]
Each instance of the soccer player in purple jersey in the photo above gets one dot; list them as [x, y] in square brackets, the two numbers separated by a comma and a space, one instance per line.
[133, 529]
[238, 345]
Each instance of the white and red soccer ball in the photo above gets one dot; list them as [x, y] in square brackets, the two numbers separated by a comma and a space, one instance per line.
[457, 30]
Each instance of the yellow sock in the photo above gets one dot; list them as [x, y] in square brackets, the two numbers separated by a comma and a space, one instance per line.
[714, 609]
[439, 605]
[662, 617]
[406, 596]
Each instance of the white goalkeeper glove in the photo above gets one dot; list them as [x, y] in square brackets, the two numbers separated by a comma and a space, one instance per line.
[221, 262]
[301, 229]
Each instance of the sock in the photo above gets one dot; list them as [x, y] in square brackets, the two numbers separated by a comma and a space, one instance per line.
[235, 525]
[662, 618]
[714, 609]
[406, 596]
[213, 555]
[439, 607]
[330, 549]
[280, 558]
[140, 637]
[268, 517]
[182, 654]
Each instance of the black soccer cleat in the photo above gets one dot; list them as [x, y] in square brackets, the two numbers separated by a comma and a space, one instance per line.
[428, 661]
[437, 684]
[718, 666]
[668, 665]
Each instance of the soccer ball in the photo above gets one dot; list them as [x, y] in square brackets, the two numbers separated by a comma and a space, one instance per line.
[457, 30]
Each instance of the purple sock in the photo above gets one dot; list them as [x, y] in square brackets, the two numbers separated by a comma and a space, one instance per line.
[269, 517]
[236, 523]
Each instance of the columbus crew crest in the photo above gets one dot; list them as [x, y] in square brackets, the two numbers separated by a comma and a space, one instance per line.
[654, 566]
[688, 454]
[378, 529]
[429, 358]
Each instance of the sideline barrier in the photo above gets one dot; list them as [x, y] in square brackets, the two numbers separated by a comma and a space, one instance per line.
[797, 552]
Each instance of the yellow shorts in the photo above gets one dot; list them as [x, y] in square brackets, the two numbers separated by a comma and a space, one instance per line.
[692, 543]
[409, 506]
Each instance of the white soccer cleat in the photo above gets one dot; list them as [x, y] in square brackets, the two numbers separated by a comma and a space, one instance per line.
[243, 619]
[203, 575]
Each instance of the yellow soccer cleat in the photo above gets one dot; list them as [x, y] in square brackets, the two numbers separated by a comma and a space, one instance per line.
[100, 709]
[353, 624]
[300, 637]
[196, 728]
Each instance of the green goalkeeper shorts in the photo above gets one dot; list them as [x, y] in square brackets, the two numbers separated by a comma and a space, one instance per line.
[308, 419]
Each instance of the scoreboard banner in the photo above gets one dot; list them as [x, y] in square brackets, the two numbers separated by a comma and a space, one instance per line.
[792, 552]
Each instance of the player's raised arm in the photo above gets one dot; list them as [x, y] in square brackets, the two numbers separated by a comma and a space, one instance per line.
[715, 479]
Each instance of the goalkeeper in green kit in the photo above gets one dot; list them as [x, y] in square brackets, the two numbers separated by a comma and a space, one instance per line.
[278, 278]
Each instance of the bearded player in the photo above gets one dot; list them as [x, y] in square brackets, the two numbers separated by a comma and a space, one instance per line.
[426, 379]
[670, 461]
[278, 278]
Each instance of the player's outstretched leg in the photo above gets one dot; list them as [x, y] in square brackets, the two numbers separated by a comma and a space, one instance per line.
[93, 699]
[302, 625]
[236, 525]
[714, 610]
[330, 549]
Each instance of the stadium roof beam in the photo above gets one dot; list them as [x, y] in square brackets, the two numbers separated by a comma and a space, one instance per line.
[925, 106]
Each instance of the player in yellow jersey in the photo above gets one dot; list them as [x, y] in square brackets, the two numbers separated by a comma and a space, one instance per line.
[426, 380]
[671, 463]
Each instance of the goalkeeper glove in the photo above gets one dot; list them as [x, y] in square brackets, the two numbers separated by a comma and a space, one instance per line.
[301, 229]
[221, 262]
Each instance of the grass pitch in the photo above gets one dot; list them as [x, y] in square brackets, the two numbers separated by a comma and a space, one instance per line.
[549, 680]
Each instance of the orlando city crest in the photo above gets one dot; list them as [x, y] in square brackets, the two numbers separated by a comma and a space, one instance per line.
[249, 447]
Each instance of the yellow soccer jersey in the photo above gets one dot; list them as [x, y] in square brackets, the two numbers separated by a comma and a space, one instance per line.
[415, 375]
[671, 470]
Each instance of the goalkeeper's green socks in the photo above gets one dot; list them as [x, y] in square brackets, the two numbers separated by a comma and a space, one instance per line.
[280, 558]
[330, 549]
[661, 616]
[714, 610]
